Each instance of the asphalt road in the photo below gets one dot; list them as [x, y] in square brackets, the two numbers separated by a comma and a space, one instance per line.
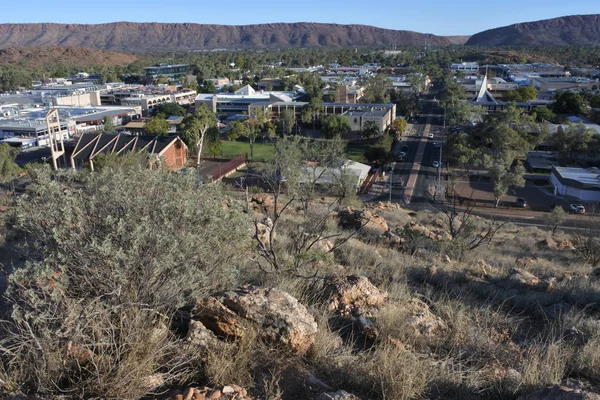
[537, 194]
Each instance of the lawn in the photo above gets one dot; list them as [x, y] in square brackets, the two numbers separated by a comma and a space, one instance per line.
[234, 148]
[230, 149]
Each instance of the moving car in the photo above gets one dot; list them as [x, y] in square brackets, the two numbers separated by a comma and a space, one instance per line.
[436, 164]
[521, 202]
[577, 208]
[430, 136]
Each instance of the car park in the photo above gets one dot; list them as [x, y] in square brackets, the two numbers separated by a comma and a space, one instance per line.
[435, 164]
[577, 208]
[521, 202]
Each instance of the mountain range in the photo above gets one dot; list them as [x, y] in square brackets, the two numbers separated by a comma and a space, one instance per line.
[132, 37]
[575, 30]
[161, 37]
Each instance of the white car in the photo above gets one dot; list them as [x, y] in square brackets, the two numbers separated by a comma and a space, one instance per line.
[436, 164]
[577, 208]
[430, 136]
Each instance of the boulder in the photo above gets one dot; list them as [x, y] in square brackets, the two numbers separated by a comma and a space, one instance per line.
[355, 219]
[422, 320]
[263, 231]
[323, 246]
[262, 202]
[435, 234]
[560, 393]
[278, 316]
[521, 276]
[203, 339]
[566, 245]
[212, 314]
[353, 295]
[394, 241]
[339, 395]
[232, 392]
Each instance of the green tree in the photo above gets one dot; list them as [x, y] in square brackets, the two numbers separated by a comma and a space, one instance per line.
[503, 177]
[334, 126]
[543, 114]
[399, 126]
[369, 130]
[8, 167]
[417, 82]
[169, 110]
[573, 141]
[208, 87]
[521, 94]
[193, 128]
[567, 103]
[556, 218]
[215, 148]
[287, 119]
[109, 127]
[595, 101]
[156, 126]
[376, 90]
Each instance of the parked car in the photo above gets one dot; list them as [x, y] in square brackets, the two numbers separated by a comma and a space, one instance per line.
[577, 208]
[455, 128]
[435, 164]
[405, 148]
[521, 202]
[437, 145]
[430, 136]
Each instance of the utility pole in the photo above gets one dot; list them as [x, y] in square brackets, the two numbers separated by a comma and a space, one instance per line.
[391, 179]
[439, 171]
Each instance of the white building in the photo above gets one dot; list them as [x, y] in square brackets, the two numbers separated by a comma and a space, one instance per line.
[583, 184]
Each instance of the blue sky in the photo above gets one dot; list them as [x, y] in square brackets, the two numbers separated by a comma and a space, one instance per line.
[441, 17]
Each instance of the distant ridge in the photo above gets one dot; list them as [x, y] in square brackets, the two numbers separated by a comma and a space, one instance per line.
[575, 30]
[75, 56]
[161, 37]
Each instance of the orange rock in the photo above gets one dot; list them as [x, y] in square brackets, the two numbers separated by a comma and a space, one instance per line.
[215, 394]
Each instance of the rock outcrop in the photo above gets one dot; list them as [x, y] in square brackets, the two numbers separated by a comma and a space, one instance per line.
[357, 219]
[422, 320]
[278, 317]
[353, 296]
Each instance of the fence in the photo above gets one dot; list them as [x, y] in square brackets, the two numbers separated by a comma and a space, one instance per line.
[225, 169]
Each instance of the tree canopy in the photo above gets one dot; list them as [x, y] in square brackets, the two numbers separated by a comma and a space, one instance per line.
[334, 126]
[156, 126]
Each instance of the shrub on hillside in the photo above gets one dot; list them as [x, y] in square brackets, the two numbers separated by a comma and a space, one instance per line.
[108, 263]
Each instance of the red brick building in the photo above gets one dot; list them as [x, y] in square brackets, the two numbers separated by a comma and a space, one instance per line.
[171, 149]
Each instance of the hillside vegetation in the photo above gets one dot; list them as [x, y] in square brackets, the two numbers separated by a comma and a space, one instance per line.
[39, 57]
[132, 283]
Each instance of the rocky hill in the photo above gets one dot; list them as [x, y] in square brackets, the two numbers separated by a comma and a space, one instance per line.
[144, 37]
[457, 40]
[579, 30]
[76, 56]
